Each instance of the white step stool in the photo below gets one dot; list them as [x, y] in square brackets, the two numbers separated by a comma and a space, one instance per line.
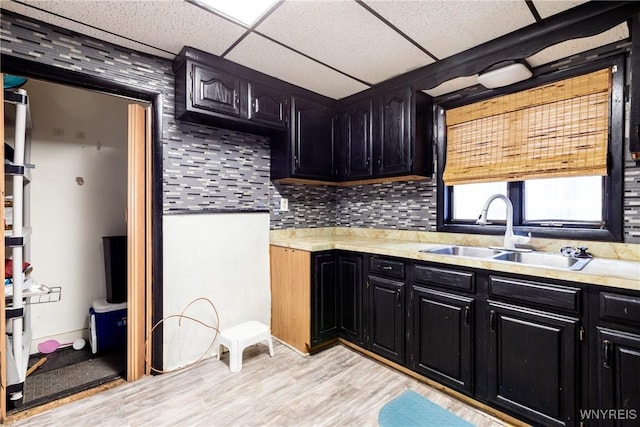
[241, 336]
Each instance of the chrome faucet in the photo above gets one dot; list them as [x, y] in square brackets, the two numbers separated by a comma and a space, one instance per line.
[509, 238]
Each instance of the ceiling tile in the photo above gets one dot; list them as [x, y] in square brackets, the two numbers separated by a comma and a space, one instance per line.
[572, 47]
[546, 8]
[452, 85]
[270, 58]
[345, 36]
[445, 28]
[155, 27]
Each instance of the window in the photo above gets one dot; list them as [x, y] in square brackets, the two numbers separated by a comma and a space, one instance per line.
[564, 200]
[577, 207]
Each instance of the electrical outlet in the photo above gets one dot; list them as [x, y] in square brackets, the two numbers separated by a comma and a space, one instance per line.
[284, 204]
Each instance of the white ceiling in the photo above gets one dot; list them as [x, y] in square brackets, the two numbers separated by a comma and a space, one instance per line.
[333, 47]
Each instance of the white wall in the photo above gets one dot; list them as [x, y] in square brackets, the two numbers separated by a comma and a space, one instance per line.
[222, 257]
[77, 134]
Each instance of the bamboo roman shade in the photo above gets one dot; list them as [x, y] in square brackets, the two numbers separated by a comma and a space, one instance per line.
[554, 130]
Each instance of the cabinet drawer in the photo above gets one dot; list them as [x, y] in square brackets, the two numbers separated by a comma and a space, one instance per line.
[444, 277]
[536, 293]
[620, 307]
[386, 267]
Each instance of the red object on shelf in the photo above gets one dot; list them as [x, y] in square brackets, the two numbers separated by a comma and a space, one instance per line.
[8, 267]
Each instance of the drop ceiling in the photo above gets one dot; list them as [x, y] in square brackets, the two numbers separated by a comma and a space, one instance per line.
[332, 47]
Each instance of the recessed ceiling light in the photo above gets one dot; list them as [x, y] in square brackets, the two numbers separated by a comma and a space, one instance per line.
[246, 11]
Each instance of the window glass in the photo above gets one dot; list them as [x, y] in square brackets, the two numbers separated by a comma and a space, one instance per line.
[563, 199]
[468, 201]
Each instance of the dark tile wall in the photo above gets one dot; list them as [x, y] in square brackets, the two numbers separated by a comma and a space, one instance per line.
[310, 206]
[631, 200]
[205, 168]
[210, 169]
[400, 205]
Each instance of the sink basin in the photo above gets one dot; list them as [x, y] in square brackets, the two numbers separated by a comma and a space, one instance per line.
[469, 251]
[538, 259]
[544, 260]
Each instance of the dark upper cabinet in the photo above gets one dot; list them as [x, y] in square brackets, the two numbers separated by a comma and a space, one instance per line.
[533, 362]
[394, 153]
[443, 337]
[311, 135]
[386, 332]
[350, 291]
[209, 96]
[403, 133]
[356, 141]
[215, 91]
[324, 299]
[267, 105]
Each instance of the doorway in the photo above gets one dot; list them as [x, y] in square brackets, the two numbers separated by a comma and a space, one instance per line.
[138, 210]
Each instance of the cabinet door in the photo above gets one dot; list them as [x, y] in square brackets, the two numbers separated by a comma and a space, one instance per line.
[356, 139]
[443, 337]
[351, 298]
[394, 142]
[215, 91]
[619, 375]
[267, 106]
[324, 301]
[312, 137]
[533, 363]
[386, 318]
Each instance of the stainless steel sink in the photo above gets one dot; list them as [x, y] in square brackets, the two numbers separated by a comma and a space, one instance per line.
[538, 259]
[544, 260]
[469, 251]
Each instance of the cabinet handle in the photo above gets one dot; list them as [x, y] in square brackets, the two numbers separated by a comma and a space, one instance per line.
[385, 267]
[398, 299]
[467, 316]
[606, 354]
[492, 321]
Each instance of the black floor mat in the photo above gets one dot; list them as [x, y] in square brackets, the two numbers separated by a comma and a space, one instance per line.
[67, 372]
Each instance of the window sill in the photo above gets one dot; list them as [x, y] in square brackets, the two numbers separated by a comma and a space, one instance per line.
[545, 232]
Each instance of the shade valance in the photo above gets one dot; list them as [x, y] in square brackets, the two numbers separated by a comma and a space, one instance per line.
[558, 129]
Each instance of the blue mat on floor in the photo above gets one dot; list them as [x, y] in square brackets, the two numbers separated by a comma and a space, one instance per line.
[411, 409]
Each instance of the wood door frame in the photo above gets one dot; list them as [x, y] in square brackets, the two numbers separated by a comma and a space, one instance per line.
[153, 152]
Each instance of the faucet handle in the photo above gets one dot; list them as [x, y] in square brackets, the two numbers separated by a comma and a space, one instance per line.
[582, 253]
[568, 250]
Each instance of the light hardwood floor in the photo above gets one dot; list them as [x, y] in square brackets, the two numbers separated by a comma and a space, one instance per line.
[336, 387]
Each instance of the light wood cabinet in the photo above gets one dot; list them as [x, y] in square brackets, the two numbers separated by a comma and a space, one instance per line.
[291, 297]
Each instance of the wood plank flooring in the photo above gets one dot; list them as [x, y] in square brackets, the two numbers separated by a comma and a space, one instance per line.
[337, 387]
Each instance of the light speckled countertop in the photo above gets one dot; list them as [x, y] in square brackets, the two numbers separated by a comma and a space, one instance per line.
[620, 271]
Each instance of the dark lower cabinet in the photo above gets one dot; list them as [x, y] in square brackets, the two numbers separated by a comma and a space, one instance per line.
[443, 337]
[514, 343]
[350, 297]
[324, 299]
[533, 362]
[386, 332]
[618, 376]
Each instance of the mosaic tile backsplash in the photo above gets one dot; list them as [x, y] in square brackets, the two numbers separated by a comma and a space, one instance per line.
[211, 169]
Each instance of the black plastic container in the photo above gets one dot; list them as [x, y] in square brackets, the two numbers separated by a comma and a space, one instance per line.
[115, 268]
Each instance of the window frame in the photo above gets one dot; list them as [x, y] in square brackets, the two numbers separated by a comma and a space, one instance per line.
[613, 183]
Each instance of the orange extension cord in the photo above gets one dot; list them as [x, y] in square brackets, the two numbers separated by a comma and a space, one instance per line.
[180, 317]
